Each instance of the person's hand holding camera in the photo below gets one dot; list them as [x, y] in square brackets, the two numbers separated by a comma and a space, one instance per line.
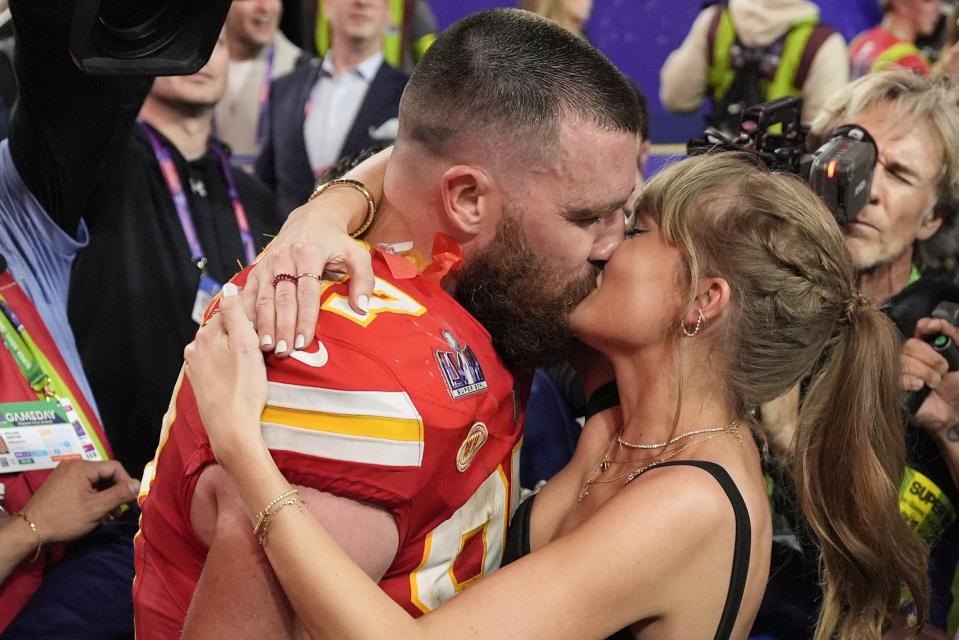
[922, 366]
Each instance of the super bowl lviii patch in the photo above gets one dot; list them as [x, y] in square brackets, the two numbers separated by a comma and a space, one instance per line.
[460, 368]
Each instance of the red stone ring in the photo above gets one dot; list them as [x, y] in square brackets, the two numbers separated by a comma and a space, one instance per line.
[280, 277]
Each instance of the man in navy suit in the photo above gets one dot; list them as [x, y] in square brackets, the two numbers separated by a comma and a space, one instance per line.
[333, 107]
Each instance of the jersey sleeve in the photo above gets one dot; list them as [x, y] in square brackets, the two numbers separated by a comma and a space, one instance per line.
[337, 419]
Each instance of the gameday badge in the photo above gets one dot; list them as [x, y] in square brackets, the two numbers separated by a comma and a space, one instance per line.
[474, 441]
[460, 368]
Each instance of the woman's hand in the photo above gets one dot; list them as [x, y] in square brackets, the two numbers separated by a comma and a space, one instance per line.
[314, 240]
[77, 496]
[225, 367]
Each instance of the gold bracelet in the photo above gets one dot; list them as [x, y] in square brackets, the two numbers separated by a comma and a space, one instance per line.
[353, 184]
[268, 509]
[272, 516]
[33, 528]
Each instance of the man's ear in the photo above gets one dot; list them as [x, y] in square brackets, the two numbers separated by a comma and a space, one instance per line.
[466, 193]
[931, 221]
[712, 298]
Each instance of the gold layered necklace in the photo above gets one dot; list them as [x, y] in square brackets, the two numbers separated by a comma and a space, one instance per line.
[651, 461]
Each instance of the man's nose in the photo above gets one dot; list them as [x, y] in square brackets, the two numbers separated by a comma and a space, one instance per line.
[875, 188]
[611, 231]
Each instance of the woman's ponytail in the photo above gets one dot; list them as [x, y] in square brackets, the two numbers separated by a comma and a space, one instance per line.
[849, 459]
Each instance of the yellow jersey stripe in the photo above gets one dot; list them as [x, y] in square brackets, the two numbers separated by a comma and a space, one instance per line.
[360, 426]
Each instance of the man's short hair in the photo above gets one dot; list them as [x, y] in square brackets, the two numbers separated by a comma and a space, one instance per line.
[915, 98]
[509, 75]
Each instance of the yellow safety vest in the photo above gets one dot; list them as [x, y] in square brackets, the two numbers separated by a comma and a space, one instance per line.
[783, 84]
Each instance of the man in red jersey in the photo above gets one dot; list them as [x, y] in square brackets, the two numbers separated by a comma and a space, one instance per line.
[400, 424]
[892, 43]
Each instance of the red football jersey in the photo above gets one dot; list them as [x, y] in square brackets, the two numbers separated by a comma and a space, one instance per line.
[877, 49]
[408, 408]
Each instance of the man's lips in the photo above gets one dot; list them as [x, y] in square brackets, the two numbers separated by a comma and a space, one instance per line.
[862, 224]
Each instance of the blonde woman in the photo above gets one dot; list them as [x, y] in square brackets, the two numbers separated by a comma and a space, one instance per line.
[733, 285]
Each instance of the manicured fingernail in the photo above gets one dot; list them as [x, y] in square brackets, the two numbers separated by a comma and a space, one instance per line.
[280, 347]
[229, 290]
[266, 341]
[363, 302]
[300, 342]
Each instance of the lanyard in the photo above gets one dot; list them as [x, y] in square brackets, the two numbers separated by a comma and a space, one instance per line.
[914, 275]
[264, 112]
[17, 342]
[172, 177]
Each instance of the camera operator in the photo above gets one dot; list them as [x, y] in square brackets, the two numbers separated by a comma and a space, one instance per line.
[914, 121]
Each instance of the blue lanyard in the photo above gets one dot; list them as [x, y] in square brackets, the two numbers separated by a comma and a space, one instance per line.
[175, 186]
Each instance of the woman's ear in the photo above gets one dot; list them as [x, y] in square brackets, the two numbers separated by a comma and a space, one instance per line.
[466, 198]
[712, 298]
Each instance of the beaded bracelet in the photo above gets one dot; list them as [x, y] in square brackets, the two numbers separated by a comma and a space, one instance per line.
[353, 184]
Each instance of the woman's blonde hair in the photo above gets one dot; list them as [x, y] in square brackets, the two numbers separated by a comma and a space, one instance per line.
[794, 312]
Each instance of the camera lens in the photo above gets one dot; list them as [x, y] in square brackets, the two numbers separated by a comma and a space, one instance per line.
[135, 28]
[126, 15]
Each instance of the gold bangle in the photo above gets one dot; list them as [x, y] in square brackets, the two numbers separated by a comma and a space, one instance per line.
[33, 528]
[353, 184]
[262, 516]
[268, 521]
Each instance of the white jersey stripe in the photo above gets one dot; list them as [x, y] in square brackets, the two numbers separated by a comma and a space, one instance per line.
[336, 446]
[385, 404]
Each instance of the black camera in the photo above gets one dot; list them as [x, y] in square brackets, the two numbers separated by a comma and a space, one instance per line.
[145, 37]
[928, 297]
[840, 171]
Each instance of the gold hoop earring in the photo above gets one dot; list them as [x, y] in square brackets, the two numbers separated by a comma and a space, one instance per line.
[699, 325]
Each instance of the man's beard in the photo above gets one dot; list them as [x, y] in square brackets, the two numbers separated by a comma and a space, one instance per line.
[523, 302]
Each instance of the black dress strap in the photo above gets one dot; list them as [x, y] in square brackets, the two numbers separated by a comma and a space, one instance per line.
[517, 538]
[741, 550]
[517, 544]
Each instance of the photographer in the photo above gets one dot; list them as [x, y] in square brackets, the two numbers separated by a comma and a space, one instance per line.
[915, 123]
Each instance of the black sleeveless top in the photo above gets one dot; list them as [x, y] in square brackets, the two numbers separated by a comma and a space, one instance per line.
[517, 544]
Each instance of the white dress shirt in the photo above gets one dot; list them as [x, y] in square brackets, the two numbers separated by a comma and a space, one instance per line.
[332, 108]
